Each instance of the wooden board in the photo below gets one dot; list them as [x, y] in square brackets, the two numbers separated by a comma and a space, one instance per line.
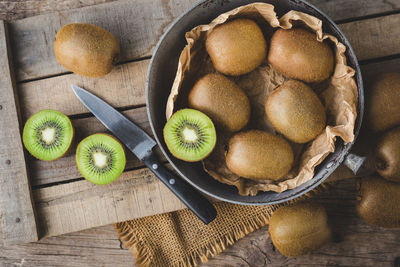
[18, 218]
[65, 202]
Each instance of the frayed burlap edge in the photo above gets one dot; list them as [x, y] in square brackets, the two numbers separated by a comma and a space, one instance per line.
[134, 242]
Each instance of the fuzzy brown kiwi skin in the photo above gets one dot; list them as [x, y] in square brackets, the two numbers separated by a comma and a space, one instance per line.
[222, 100]
[298, 55]
[299, 228]
[378, 202]
[387, 155]
[74, 49]
[296, 111]
[259, 155]
[382, 104]
[234, 37]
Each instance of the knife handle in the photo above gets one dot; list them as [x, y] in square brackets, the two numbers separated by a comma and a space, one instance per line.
[195, 201]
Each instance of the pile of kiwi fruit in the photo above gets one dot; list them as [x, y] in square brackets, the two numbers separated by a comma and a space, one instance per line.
[91, 51]
[238, 47]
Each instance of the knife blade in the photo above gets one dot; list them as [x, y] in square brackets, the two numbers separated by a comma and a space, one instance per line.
[141, 144]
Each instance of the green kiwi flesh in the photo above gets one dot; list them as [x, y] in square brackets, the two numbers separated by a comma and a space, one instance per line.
[378, 202]
[190, 135]
[299, 229]
[387, 157]
[48, 134]
[100, 158]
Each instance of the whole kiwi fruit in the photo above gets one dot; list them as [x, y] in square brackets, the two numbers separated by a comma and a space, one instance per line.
[387, 155]
[86, 49]
[222, 100]
[296, 111]
[259, 155]
[297, 54]
[383, 108]
[378, 202]
[236, 47]
[299, 228]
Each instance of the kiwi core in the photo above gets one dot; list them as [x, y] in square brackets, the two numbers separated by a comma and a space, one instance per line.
[100, 159]
[49, 134]
[191, 136]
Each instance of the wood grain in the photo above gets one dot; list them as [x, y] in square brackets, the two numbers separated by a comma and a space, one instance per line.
[18, 217]
[138, 26]
[64, 169]
[81, 205]
[374, 38]
[354, 242]
[123, 87]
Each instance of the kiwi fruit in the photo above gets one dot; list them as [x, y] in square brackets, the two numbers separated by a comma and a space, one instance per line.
[387, 155]
[296, 111]
[222, 100]
[236, 47]
[190, 135]
[86, 49]
[259, 155]
[48, 134]
[100, 158]
[299, 228]
[378, 202]
[382, 107]
[297, 54]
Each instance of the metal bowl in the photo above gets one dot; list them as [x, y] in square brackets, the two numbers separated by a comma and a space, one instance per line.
[161, 74]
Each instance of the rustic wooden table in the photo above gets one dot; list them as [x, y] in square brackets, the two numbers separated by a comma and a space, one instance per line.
[368, 24]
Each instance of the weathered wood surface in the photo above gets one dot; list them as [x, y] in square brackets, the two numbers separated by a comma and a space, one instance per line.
[65, 251]
[18, 216]
[139, 25]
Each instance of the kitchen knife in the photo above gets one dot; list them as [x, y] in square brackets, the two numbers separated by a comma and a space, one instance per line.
[141, 144]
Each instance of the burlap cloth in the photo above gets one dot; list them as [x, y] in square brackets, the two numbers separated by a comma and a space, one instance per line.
[180, 239]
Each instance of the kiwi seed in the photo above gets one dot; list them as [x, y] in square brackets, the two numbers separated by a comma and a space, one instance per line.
[48, 135]
[190, 135]
[100, 158]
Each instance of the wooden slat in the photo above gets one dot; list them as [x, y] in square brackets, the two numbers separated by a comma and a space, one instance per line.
[121, 88]
[63, 169]
[125, 86]
[374, 38]
[137, 25]
[18, 217]
[80, 205]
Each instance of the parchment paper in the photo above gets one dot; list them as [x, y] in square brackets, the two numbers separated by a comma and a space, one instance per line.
[338, 94]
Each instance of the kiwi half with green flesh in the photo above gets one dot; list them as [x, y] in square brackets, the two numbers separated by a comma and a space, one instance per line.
[100, 158]
[299, 228]
[48, 134]
[387, 157]
[190, 135]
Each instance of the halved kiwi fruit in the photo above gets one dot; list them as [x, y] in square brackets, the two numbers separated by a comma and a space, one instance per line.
[48, 134]
[190, 135]
[100, 158]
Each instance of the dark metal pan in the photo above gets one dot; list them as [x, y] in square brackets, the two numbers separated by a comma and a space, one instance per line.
[161, 75]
